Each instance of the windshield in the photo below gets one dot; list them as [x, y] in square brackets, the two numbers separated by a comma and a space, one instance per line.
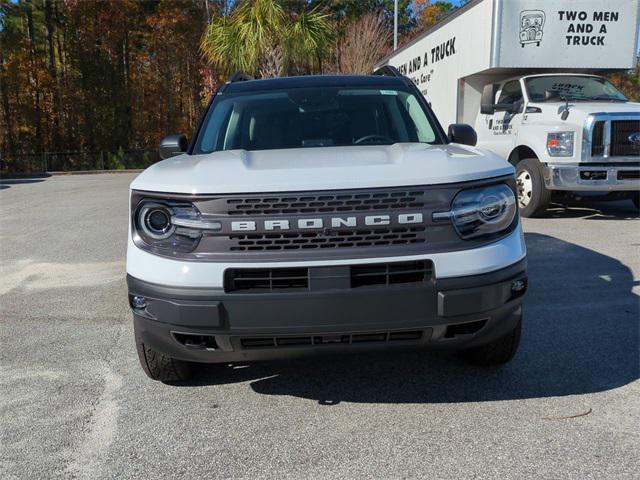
[314, 117]
[556, 87]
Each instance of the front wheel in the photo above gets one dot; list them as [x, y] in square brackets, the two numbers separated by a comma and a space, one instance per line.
[159, 366]
[533, 195]
[498, 352]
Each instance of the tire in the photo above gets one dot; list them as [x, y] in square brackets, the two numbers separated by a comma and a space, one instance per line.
[161, 367]
[636, 202]
[498, 352]
[533, 196]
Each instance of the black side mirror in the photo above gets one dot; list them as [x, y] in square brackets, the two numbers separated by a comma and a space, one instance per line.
[173, 145]
[487, 106]
[462, 133]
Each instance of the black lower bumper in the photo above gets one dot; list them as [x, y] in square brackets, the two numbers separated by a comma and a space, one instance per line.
[205, 325]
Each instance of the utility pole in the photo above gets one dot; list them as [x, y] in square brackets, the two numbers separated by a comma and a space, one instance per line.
[395, 25]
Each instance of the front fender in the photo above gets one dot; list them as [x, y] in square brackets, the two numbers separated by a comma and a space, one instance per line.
[517, 154]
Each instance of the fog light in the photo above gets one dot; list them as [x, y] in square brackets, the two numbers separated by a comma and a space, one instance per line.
[138, 302]
[518, 285]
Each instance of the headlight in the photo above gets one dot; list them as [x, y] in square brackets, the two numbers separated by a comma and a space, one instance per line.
[483, 211]
[155, 221]
[560, 144]
[170, 226]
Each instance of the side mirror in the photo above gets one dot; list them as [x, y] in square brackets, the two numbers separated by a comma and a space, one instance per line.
[173, 145]
[488, 100]
[463, 133]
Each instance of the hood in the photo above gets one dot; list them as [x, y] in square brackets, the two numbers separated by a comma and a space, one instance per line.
[323, 168]
[578, 111]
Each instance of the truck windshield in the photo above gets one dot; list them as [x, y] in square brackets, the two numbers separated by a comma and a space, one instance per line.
[572, 87]
[314, 117]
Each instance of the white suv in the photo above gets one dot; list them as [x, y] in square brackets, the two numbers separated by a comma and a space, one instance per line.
[319, 214]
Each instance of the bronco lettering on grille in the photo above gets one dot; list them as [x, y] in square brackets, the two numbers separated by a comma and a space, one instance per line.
[334, 222]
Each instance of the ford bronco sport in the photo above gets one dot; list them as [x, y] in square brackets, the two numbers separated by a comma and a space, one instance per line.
[323, 214]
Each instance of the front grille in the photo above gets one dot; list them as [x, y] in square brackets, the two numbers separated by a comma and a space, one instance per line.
[267, 280]
[621, 130]
[253, 343]
[325, 224]
[326, 203]
[335, 239]
[597, 146]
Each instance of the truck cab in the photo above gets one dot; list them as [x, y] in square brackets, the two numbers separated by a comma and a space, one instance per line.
[563, 132]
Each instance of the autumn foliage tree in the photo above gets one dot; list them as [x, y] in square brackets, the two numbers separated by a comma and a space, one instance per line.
[430, 13]
[365, 41]
[99, 75]
[118, 75]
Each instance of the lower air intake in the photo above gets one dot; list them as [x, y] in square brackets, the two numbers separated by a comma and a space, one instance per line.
[390, 273]
[249, 343]
[266, 279]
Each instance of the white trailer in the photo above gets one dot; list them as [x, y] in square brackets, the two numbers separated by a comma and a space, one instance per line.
[484, 65]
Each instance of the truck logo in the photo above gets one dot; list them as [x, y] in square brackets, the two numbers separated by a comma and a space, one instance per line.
[634, 138]
[328, 224]
[531, 27]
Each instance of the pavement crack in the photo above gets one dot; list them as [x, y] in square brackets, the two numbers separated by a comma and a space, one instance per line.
[567, 417]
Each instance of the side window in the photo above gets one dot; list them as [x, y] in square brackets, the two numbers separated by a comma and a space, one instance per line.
[511, 93]
[423, 131]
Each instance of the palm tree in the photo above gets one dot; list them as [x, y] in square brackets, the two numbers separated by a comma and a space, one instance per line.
[259, 37]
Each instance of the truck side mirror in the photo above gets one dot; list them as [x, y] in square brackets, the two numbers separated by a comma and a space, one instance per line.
[462, 133]
[487, 106]
[173, 145]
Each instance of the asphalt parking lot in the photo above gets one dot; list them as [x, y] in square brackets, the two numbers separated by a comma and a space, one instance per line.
[74, 402]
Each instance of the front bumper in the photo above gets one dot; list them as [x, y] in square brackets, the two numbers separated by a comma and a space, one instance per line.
[617, 178]
[209, 325]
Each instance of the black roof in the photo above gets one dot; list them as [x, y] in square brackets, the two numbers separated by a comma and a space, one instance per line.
[314, 81]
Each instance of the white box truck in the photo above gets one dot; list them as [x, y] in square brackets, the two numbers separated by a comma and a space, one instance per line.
[524, 73]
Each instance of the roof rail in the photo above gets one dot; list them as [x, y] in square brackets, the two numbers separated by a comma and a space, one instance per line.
[387, 71]
[239, 76]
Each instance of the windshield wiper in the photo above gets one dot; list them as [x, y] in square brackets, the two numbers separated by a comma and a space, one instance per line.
[606, 98]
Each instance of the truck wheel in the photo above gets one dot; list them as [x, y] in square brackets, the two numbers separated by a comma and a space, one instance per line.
[498, 352]
[160, 367]
[636, 201]
[533, 196]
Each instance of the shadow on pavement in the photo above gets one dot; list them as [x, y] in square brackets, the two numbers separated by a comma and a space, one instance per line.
[612, 210]
[8, 182]
[580, 336]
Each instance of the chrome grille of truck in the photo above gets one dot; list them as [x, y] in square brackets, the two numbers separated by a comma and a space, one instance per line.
[621, 145]
[597, 144]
